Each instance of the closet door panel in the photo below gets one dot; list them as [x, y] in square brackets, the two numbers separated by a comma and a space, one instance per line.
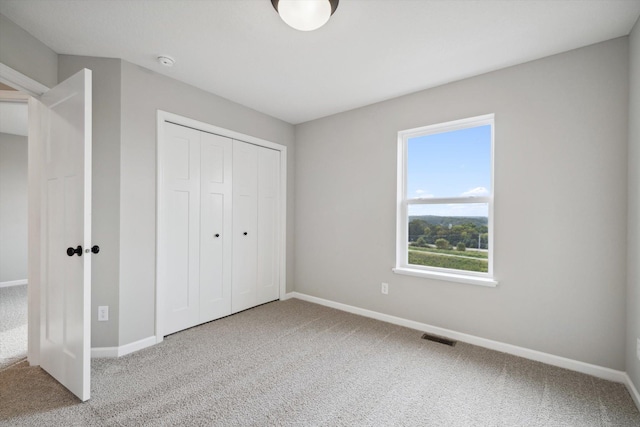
[216, 231]
[245, 187]
[268, 266]
[179, 232]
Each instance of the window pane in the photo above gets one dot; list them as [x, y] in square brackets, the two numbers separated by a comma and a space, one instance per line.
[451, 236]
[450, 164]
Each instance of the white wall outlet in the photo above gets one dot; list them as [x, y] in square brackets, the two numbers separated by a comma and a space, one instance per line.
[638, 349]
[103, 313]
[385, 288]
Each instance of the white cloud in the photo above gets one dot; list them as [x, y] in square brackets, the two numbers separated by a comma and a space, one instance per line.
[456, 210]
[422, 194]
[476, 192]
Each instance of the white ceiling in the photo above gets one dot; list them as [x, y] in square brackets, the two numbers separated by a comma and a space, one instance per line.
[370, 50]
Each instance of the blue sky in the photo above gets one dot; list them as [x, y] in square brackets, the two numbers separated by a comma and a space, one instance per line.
[450, 164]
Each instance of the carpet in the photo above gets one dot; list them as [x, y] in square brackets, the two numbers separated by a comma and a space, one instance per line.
[13, 325]
[293, 363]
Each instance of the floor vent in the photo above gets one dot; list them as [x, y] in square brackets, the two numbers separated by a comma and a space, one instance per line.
[441, 340]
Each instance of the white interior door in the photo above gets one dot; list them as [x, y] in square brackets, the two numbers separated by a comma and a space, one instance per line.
[65, 292]
[215, 227]
[245, 225]
[179, 227]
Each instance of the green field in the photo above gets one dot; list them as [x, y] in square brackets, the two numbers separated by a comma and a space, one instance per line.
[430, 257]
[468, 253]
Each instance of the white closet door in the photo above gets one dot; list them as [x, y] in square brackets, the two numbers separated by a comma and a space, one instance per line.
[215, 227]
[245, 224]
[268, 273]
[179, 234]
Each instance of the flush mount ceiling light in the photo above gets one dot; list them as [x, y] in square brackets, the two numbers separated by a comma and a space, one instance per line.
[305, 15]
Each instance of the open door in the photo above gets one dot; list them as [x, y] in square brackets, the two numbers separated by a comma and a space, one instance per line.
[64, 138]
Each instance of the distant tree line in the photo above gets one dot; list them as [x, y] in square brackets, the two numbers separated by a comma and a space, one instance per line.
[469, 234]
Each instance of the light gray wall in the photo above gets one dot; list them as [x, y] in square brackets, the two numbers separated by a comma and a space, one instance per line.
[106, 189]
[143, 93]
[26, 54]
[633, 292]
[13, 207]
[560, 206]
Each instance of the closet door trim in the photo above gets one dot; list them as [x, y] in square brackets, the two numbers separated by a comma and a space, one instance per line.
[164, 116]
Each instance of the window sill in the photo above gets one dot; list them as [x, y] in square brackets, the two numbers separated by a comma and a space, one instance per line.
[460, 278]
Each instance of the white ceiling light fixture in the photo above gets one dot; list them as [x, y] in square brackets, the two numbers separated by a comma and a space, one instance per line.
[305, 15]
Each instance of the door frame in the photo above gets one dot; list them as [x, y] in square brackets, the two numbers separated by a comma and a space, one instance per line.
[25, 84]
[165, 116]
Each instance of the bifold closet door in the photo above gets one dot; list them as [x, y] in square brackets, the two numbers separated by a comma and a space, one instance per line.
[245, 225]
[268, 272]
[256, 263]
[215, 227]
[194, 229]
[179, 234]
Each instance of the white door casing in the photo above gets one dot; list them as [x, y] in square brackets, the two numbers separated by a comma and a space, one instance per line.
[65, 281]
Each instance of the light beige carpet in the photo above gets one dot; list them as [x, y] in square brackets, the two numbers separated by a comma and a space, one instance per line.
[13, 325]
[294, 363]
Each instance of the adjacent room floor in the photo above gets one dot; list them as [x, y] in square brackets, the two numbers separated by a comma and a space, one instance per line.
[297, 363]
[13, 325]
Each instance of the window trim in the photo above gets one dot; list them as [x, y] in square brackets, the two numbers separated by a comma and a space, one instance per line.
[403, 202]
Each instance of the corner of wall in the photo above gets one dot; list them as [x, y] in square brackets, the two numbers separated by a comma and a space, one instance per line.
[632, 362]
[107, 100]
[26, 54]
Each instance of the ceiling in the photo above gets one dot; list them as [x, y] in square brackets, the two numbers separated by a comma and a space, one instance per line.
[370, 50]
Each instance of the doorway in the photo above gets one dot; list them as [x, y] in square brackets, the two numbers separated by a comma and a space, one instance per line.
[13, 226]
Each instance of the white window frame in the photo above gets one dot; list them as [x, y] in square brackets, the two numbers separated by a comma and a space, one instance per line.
[403, 203]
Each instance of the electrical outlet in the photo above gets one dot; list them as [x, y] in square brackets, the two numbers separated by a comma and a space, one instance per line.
[638, 349]
[103, 313]
[385, 288]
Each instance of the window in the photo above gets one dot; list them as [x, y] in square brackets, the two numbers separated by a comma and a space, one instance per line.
[445, 201]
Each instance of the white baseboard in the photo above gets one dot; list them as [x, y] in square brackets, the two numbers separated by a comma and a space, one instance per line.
[550, 359]
[633, 391]
[97, 352]
[287, 296]
[13, 283]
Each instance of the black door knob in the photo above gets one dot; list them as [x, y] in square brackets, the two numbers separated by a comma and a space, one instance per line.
[217, 235]
[76, 251]
[245, 233]
[95, 249]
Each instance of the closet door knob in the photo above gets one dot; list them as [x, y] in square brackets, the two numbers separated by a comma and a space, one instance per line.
[217, 235]
[95, 249]
[76, 251]
[245, 233]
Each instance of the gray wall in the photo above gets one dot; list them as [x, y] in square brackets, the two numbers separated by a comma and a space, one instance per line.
[633, 294]
[13, 207]
[143, 93]
[26, 54]
[125, 102]
[560, 206]
[106, 189]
